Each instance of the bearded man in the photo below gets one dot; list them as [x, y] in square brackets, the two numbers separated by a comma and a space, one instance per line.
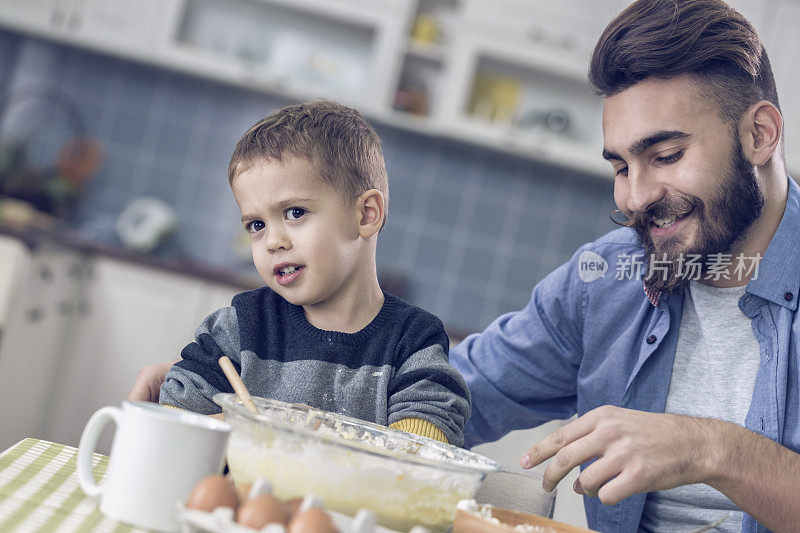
[685, 380]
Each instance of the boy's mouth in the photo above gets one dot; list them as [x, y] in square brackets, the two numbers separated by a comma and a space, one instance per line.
[286, 273]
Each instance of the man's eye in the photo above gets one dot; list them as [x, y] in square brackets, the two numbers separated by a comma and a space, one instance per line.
[669, 159]
[254, 226]
[293, 213]
[621, 171]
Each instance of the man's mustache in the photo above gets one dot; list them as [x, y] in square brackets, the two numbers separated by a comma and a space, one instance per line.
[672, 205]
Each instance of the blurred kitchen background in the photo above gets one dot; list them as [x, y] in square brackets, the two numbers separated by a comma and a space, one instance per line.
[118, 231]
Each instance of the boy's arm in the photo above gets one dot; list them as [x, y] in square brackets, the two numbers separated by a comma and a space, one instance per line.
[422, 427]
[194, 380]
[148, 382]
[427, 396]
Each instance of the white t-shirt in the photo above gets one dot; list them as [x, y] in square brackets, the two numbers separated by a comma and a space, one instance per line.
[713, 376]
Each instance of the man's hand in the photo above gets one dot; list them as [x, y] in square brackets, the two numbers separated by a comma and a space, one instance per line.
[635, 452]
[148, 382]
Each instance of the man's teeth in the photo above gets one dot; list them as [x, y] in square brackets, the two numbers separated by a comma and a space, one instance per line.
[667, 222]
[288, 270]
[664, 222]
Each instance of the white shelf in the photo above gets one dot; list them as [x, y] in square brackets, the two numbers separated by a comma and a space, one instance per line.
[435, 53]
[536, 144]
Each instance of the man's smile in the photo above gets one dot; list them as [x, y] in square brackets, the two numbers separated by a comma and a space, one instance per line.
[665, 226]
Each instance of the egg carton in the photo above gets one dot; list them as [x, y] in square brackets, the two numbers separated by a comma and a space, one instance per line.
[223, 519]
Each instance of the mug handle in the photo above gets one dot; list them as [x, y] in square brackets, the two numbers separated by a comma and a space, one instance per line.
[88, 443]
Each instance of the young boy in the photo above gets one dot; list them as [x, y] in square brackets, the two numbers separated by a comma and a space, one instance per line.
[313, 191]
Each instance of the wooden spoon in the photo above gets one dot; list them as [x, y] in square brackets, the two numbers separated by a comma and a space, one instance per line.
[237, 384]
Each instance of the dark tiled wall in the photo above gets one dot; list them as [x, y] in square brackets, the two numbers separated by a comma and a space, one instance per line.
[472, 230]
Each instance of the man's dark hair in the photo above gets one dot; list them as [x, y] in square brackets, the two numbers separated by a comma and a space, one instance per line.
[705, 38]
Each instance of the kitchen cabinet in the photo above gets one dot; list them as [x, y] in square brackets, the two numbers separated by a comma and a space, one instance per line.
[525, 101]
[137, 316]
[425, 51]
[82, 327]
[344, 49]
[33, 15]
[567, 29]
[35, 338]
[15, 261]
[122, 24]
[518, 80]
[116, 26]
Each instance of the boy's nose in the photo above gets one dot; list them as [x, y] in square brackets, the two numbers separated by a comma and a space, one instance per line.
[277, 240]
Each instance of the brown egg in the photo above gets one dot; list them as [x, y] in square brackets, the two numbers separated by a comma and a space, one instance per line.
[213, 492]
[244, 491]
[313, 520]
[262, 510]
[293, 505]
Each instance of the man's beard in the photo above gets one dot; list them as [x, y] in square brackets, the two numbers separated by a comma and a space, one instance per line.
[736, 204]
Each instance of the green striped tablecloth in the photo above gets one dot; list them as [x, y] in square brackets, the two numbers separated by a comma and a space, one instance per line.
[39, 491]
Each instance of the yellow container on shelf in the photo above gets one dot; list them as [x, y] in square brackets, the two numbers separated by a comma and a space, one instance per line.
[426, 29]
[495, 98]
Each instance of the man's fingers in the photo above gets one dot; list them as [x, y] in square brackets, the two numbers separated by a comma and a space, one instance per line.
[598, 474]
[567, 458]
[556, 440]
[619, 488]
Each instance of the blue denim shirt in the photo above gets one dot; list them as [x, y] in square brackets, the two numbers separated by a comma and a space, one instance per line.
[581, 344]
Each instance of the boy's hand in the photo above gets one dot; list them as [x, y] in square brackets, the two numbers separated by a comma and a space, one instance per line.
[148, 382]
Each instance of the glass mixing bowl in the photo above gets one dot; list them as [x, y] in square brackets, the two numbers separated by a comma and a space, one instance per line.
[405, 479]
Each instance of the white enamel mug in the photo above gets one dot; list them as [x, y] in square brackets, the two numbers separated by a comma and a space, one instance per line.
[158, 456]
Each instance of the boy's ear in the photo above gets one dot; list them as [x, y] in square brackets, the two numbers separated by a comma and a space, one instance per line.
[760, 131]
[371, 211]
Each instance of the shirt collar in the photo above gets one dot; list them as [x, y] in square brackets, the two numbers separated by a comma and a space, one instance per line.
[653, 296]
[778, 277]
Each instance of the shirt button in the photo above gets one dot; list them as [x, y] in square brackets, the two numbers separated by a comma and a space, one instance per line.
[788, 296]
[651, 339]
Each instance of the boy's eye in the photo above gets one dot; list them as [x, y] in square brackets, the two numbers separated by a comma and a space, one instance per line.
[293, 213]
[254, 226]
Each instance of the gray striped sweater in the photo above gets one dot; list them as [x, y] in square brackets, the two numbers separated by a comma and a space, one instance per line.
[394, 369]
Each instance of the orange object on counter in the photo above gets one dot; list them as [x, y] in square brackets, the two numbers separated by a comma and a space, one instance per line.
[501, 520]
[79, 159]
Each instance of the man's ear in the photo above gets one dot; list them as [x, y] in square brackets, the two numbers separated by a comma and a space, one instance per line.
[371, 212]
[760, 131]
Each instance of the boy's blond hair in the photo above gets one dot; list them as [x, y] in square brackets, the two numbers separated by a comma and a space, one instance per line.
[334, 138]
